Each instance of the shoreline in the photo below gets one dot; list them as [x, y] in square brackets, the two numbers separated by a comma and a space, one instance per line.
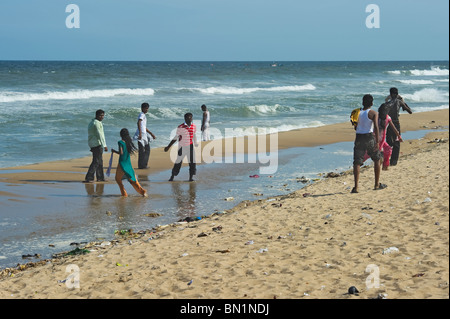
[410, 149]
[70, 170]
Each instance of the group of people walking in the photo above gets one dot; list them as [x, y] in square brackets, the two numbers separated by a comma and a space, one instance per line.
[185, 135]
[378, 135]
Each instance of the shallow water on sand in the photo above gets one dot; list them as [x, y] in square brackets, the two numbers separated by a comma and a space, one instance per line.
[61, 213]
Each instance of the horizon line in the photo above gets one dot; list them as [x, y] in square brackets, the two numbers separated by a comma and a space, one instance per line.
[219, 61]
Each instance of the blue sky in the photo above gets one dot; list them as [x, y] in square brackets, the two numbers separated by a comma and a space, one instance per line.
[224, 30]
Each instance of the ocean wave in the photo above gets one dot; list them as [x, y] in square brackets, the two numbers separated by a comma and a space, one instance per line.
[416, 82]
[434, 71]
[269, 109]
[258, 130]
[235, 90]
[71, 95]
[252, 110]
[427, 95]
[154, 113]
[428, 109]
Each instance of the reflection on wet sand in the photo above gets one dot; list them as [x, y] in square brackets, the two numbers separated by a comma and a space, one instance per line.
[185, 196]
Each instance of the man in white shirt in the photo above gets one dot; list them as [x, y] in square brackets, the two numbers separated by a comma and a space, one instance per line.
[205, 123]
[142, 137]
[367, 137]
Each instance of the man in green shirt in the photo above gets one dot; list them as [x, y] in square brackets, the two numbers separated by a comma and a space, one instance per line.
[97, 143]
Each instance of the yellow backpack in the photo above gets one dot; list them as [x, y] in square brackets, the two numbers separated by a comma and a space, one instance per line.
[354, 117]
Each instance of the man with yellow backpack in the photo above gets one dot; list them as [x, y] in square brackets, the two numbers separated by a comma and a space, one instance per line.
[366, 141]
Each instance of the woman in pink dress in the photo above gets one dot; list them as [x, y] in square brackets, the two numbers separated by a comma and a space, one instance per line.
[384, 121]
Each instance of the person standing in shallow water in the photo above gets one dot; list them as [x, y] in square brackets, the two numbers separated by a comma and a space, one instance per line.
[205, 123]
[124, 167]
[143, 138]
[97, 143]
[366, 141]
[186, 137]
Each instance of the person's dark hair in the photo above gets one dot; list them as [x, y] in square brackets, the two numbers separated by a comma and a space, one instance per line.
[144, 105]
[187, 114]
[393, 91]
[367, 100]
[99, 112]
[383, 110]
[125, 135]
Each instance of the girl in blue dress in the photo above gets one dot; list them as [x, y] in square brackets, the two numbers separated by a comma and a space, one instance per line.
[124, 168]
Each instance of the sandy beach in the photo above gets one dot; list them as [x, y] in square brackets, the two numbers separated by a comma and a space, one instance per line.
[314, 243]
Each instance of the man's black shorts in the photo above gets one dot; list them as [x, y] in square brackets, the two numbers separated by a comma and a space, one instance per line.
[365, 143]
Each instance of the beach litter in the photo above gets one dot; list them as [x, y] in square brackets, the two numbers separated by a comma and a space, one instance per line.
[120, 265]
[254, 176]
[152, 215]
[190, 282]
[390, 250]
[353, 290]
[123, 232]
[190, 219]
[303, 180]
[31, 256]
[77, 251]
[262, 250]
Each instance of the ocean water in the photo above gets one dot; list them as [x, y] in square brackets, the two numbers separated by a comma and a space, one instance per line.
[45, 107]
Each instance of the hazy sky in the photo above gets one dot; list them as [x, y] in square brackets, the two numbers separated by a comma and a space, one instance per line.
[224, 30]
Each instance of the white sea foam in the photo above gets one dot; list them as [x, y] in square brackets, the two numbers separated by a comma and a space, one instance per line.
[427, 95]
[268, 109]
[416, 82]
[427, 109]
[71, 95]
[235, 90]
[434, 71]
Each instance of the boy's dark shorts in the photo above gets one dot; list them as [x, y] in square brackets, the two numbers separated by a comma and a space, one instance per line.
[363, 143]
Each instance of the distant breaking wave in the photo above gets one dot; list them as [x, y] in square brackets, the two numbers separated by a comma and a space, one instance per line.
[427, 95]
[416, 82]
[71, 95]
[434, 71]
[235, 90]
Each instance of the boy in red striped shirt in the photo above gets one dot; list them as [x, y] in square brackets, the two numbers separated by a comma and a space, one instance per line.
[186, 139]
